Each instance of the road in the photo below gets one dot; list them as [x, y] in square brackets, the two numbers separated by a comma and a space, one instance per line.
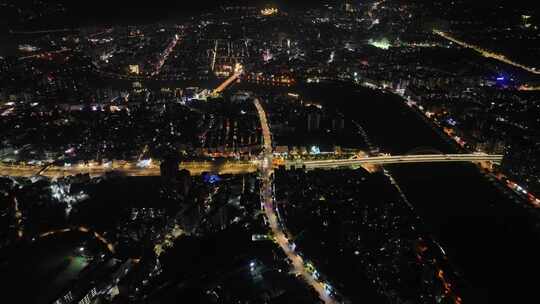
[267, 201]
[45, 54]
[127, 168]
[165, 55]
[97, 236]
[487, 53]
[235, 167]
[403, 159]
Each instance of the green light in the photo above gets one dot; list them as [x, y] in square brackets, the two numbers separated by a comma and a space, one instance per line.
[381, 44]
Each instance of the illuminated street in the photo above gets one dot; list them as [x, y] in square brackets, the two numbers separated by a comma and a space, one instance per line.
[234, 167]
[128, 169]
[268, 205]
[487, 53]
[165, 55]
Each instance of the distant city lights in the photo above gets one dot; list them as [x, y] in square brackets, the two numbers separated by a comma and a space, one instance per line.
[269, 11]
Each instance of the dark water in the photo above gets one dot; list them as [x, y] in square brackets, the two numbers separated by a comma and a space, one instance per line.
[489, 237]
[43, 271]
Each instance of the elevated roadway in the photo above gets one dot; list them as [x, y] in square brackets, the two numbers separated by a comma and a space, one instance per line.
[401, 159]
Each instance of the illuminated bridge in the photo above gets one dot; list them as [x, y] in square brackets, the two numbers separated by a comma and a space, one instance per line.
[399, 159]
[227, 82]
[238, 70]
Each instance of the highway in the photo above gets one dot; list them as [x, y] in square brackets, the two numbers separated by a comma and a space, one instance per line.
[126, 168]
[403, 159]
[487, 53]
[235, 167]
[267, 201]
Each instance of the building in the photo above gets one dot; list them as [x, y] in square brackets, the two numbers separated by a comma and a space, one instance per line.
[134, 69]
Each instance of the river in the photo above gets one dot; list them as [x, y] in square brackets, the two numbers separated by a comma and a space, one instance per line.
[489, 237]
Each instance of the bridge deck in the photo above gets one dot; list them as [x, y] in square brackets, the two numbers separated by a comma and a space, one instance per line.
[227, 82]
[380, 160]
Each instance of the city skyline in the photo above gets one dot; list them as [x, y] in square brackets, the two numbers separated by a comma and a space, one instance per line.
[269, 151]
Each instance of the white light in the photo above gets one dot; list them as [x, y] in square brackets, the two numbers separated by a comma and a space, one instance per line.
[381, 44]
[145, 163]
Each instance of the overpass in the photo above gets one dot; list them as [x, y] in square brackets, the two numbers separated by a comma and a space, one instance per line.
[398, 159]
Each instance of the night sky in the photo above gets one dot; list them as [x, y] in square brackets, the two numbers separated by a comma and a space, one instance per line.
[98, 12]
[106, 12]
